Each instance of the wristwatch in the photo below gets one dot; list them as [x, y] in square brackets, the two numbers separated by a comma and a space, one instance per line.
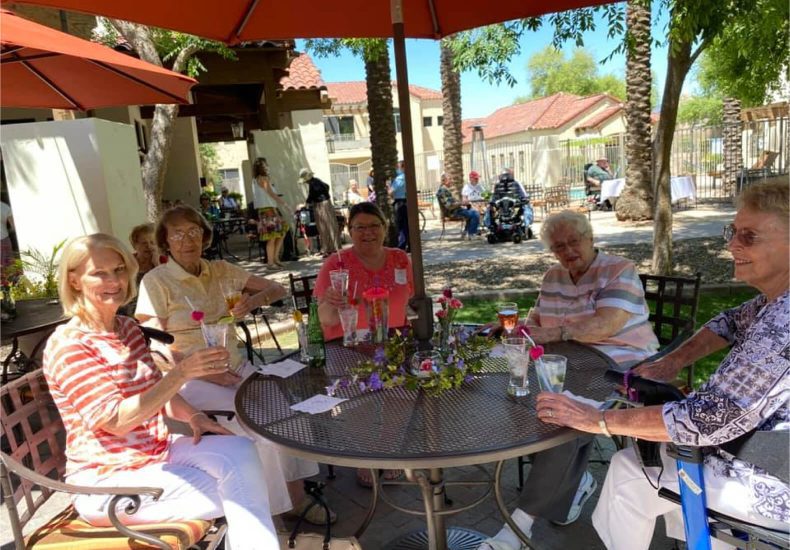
[564, 335]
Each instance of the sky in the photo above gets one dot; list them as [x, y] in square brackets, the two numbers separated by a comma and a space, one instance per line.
[478, 97]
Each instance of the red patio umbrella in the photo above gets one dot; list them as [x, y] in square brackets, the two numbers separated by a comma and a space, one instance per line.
[45, 68]
[237, 20]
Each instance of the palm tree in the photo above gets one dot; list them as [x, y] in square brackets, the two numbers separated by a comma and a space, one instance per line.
[636, 200]
[451, 111]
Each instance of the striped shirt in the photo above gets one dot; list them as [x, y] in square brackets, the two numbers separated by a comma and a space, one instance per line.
[89, 374]
[608, 282]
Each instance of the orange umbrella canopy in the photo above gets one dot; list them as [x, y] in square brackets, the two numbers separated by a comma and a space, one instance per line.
[238, 20]
[41, 67]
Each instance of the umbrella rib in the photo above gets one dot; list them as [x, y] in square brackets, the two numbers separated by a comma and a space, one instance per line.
[10, 49]
[243, 23]
[15, 57]
[75, 104]
[140, 81]
[434, 18]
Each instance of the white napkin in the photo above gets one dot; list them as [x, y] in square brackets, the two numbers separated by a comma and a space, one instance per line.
[283, 369]
[600, 405]
[317, 404]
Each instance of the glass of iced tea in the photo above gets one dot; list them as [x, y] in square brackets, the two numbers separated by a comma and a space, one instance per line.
[231, 290]
[508, 315]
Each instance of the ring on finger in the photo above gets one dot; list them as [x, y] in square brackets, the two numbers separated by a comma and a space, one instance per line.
[550, 413]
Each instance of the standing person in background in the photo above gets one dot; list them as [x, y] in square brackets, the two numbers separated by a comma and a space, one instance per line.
[371, 188]
[272, 225]
[6, 225]
[226, 201]
[318, 197]
[398, 194]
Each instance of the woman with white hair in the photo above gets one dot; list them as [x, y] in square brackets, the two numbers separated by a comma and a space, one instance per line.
[113, 401]
[597, 299]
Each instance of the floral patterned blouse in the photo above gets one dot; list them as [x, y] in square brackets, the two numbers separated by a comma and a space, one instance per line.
[750, 389]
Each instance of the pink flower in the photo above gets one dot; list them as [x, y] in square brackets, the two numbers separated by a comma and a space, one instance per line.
[441, 314]
[198, 316]
[536, 352]
[426, 365]
[455, 303]
[441, 300]
[523, 330]
[447, 292]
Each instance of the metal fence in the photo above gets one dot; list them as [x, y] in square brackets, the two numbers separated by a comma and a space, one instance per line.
[341, 174]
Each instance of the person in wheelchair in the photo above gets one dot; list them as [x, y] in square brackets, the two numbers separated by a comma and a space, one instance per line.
[749, 391]
[509, 213]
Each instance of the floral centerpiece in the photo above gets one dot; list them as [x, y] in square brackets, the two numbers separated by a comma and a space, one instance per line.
[449, 306]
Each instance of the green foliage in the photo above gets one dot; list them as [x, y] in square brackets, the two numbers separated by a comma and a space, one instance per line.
[487, 50]
[209, 164]
[365, 48]
[551, 72]
[45, 267]
[700, 110]
[747, 59]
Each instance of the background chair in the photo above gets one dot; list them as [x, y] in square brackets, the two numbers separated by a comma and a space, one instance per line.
[673, 303]
[302, 291]
[256, 320]
[445, 217]
[32, 467]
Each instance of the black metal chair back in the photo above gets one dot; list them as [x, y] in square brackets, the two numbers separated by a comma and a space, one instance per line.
[302, 290]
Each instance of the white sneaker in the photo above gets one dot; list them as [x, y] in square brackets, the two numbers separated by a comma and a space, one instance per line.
[506, 539]
[587, 487]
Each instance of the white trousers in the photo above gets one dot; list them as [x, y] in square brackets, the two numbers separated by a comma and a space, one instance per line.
[627, 509]
[278, 467]
[220, 476]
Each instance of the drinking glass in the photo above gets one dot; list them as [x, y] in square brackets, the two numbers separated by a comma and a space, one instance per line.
[339, 280]
[231, 291]
[216, 336]
[348, 319]
[424, 363]
[551, 372]
[508, 315]
[301, 335]
[517, 361]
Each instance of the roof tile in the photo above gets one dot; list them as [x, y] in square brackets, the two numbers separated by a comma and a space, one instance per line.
[345, 93]
[302, 75]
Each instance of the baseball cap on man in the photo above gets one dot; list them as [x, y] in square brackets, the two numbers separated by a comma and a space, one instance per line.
[305, 174]
[474, 174]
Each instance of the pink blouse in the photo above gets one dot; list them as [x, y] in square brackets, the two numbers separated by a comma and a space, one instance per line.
[395, 276]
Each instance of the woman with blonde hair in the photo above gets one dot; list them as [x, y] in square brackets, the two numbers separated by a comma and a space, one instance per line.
[113, 401]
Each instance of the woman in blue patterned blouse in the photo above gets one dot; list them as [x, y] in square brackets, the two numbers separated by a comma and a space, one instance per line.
[750, 390]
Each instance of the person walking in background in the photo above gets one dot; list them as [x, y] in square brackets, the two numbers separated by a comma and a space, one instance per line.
[398, 194]
[319, 199]
[272, 224]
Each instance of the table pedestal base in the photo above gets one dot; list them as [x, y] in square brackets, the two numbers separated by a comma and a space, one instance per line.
[457, 539]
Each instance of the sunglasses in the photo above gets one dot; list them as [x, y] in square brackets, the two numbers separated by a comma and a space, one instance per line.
[745, 237]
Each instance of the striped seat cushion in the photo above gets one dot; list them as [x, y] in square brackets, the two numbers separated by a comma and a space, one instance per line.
[67, 531]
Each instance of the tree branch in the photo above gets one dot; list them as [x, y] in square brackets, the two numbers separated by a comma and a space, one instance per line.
[704, 44]
[139, 38]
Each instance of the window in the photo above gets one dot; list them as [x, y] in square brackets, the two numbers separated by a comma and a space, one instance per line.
[229, 175]
[339, 125]
[396, 116]
[439, 120]
[427, 121]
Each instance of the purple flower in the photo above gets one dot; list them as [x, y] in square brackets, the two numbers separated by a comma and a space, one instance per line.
[362, 386]
[468, 378]
[332, 388]
[463, 336]
[344, 383]
[460, 364]
[380, 357]
[375, 382]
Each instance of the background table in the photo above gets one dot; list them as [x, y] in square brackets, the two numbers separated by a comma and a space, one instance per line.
[32, 316]
[682, 187]
[397, 428]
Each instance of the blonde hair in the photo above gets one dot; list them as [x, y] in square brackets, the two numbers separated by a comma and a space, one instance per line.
[567, 218]
[768, 198]
[75, 254]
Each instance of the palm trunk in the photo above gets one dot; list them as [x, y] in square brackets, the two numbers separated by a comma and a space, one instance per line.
[451, 125]
[383, 147]
[636, 200]
[733, 156]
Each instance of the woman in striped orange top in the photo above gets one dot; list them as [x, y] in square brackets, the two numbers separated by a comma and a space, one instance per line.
[113, 401]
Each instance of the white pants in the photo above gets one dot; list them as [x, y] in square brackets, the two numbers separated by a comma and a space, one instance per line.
[627, 509]
[278, 467]
[220, 476]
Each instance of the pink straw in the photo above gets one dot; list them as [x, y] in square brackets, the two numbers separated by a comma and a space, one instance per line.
[355, 290]
[339, 259]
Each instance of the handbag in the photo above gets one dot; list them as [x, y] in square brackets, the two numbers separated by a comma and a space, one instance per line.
[315, 541]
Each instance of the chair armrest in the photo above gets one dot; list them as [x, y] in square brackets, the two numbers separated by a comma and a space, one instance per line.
[29, 475]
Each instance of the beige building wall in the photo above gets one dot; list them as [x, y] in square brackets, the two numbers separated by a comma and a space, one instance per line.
[72, 178]
[182, 181]
[230, 156]
[433, 136]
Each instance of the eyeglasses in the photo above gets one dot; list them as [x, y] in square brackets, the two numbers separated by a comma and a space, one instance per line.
[193, 234]
[744, 236]
[562, 247]
[374, 227]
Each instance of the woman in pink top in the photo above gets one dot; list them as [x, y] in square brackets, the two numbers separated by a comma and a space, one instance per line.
[369, 264]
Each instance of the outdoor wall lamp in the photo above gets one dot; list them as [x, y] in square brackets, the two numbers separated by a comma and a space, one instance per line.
[237, 129]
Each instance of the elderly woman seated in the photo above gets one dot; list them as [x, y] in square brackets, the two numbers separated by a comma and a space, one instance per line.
[169, 296]
[597, 299]
[748, 391]
[113, 401]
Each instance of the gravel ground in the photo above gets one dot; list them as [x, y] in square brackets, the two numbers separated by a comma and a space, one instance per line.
[706, 255]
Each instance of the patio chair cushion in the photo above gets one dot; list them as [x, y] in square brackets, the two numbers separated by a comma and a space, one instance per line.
[67, 531]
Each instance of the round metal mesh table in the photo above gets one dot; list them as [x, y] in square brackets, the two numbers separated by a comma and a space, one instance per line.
[398, 428]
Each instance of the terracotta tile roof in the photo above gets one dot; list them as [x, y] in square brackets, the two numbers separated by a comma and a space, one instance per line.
[600, 118]
[302, 75]
[545, 113]
[345, 93]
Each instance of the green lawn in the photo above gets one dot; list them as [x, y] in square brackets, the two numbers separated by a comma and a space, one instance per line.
[710, 304]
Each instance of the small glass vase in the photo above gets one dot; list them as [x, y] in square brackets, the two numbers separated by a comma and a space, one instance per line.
[444, 339]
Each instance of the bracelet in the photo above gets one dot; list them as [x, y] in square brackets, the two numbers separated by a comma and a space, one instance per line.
[564, 335]
[602, 424]
[197, 414]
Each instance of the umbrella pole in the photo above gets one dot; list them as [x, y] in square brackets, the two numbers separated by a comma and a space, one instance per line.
[423, 325]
